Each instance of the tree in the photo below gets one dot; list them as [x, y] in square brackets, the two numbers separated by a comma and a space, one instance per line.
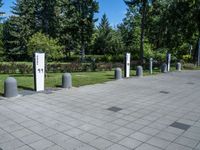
[85, 11]
[141, 5]
[41, 43]
[68, 27]
[103, 39]
[130, 31]
[1, 32]
[47, 16]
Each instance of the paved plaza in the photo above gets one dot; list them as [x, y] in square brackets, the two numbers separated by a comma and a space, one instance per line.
[159, 112]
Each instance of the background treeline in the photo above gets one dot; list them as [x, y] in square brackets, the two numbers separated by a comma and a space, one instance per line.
[65, 29]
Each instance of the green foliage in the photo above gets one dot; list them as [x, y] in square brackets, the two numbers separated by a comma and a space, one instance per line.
[102, 42]
[41, 43]
[187, 58]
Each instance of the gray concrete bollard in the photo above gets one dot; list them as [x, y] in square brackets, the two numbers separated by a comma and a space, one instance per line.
[151, 66]
[10, 87]
[139, 71]
[164, 68]
[67, 80]
[178, 66]
[118, 74]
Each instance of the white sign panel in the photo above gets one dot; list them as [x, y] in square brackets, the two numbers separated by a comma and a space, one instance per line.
[39, 71]
[127, 65]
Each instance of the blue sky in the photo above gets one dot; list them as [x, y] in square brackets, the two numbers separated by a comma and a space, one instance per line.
[114, 9]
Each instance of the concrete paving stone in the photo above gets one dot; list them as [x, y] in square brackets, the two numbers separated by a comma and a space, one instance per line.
[31, 138]
[150, 131]
[145, 146]
[174, 146]
[113, 136]
[29, 123]
[110, 126]
[12, 145]
[186, 121]
[6, 137]
[124, 131]
[129, 118]
[41, 144]
[120, 122]
[99, 131]
[86, 127]
[25, 147]
[37, 128]
[86, 147]
[158, 142]
[21, 133]
[72, 144]
[13, 127]
[47, 132]
[87, 137]
[74, 132]
[157, 125]
[192, 135]
[101, 143]
[140, 136]
[143, 122]
[59, 138]
[197, 147]
[167, 136]
[134, 126]
[54, 147]
[174, 130]
[130, 143]
[117, 147]
[187, 142]
[194, 129]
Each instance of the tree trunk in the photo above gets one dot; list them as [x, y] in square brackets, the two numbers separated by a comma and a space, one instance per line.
[142, 31]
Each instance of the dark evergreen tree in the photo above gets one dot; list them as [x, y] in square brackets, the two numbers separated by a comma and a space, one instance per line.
[85, 10]
[102, 42]
[130, 31]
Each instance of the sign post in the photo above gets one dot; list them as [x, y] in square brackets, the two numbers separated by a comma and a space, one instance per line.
[127, 65]
[168, 61]
[39, 71]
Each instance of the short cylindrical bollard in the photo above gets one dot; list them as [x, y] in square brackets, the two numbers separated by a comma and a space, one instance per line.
[66, 80]
[118, 74]
[139, 71]
[164, 68]
[178, 66]
[10, 87]
[151, 66]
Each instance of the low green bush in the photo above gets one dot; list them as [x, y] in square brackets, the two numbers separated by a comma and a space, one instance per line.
[189, 66]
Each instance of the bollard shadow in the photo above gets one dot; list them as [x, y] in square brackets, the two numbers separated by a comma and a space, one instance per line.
[25, 88]
[110, 76]
[22, 75]
[58, 86]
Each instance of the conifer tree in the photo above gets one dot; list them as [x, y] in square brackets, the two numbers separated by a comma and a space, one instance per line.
[102, 42]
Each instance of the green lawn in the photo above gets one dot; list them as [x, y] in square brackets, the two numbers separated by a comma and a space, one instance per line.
[54, 79]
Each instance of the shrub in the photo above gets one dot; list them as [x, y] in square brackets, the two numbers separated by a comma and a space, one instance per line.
[42, 43]
[189, 66]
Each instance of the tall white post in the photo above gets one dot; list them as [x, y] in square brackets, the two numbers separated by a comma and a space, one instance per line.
[168, 61]
[127, 66]
[39, 71]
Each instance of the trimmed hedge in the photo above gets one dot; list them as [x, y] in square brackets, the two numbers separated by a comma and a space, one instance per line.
[14, 68]
[27, 68]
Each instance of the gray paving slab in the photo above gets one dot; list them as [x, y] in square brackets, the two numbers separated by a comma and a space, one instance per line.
[80, 118]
